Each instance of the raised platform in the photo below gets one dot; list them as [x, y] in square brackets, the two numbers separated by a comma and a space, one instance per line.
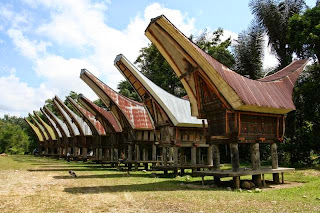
[175, 167]
[242, 172]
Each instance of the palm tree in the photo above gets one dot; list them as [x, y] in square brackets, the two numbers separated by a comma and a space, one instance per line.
[273, 16]
[248, 52]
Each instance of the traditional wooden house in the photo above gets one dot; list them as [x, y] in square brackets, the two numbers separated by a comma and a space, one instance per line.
[64, 135]
[112, 139]
[177, 131]
[134, 119]
[52, 142]
[93, 141]
[78, 128]
[38, 134]
[46, 138]
[59, 142]
[239, 110]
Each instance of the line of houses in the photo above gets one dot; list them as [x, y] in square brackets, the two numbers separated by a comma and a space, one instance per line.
[170, 133]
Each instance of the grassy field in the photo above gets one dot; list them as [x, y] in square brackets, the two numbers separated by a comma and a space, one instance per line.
[34, 184]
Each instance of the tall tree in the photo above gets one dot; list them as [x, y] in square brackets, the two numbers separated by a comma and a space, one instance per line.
[13, 138]
[273, 17]
[303, 124]
[304, 33]
[248, 52]
[127, 90]
[214, 46]
[153, 65]
[157, 69]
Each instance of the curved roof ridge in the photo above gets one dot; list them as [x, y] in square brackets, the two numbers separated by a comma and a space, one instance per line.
[53, 124]
[104, 113]
[95, 124]
[81, 125]
[35, 130]
[240, 92]
[40, 127]
[178, 109]
[46, 126]
[286, 71]
[135, 112]
[63, 126]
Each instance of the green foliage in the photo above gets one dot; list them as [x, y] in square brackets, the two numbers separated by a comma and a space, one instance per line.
[75, 97]
[218, 49]
[99, 103]
[273, 17]
[303, 124]
[13, 139]
[304, 33]
[127, 90]
[153, 65]
[248, 52]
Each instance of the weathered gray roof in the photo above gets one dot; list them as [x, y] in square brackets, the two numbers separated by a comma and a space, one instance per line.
[52, 123]
[61, 123]
[69, 113]
[177, 109]
[68, 119]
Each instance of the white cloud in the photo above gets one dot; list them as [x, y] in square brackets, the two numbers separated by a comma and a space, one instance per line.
[269, 60]
[26, 47]
[19, 98]
[80, 25]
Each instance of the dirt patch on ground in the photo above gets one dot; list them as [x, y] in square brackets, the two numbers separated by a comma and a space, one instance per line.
[286, 185]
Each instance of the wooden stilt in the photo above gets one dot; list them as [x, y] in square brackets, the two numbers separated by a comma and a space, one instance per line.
[129, 152]
[137, 157]
[235, 157]
[236, 182]
[100, 153]
[210, 155]
[216, 157]
[84, 154]
[255, 161]
[164, 155]
[170, 153]
[274, 158]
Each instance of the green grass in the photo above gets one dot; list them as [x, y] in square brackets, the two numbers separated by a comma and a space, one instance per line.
[38, 184]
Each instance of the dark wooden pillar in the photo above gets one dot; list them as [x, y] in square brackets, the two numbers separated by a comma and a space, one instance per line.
[210, 155]
[255, 161]
[129, 152]
[137, 156]
[193, 157]
[274, 158]
[234, 150]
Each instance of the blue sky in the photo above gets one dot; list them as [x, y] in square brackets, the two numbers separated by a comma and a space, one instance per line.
[45, 43]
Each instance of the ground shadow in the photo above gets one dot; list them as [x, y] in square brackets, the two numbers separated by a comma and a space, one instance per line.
[66, 169]
[146, 187]
[119, 175]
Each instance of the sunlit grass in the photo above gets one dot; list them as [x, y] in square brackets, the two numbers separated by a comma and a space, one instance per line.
[38, 184]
